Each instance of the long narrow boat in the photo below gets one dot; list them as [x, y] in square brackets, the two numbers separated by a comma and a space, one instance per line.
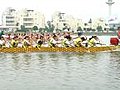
[59, 49]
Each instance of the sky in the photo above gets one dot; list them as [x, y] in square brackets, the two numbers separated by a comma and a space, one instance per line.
[82, 9]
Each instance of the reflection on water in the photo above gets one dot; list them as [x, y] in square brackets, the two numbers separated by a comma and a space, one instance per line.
[60, 71]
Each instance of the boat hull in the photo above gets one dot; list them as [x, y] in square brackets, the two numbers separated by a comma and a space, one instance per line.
[59, 49]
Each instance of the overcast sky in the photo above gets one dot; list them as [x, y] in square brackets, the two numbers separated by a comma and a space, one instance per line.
[82, 9]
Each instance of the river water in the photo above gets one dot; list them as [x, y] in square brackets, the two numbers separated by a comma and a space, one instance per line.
[60, 71]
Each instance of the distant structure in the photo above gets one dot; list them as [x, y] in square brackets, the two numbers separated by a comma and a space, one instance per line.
[13, 20]
[110, 3]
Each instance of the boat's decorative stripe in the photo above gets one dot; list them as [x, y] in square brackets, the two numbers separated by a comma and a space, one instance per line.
[59, 49]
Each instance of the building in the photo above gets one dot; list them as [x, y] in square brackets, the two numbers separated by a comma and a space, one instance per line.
[114, 25]
[58, 20]
[74, 23]
[98, 22]
[30, 18]
[9, 19]
[27, 18]
[62, 21]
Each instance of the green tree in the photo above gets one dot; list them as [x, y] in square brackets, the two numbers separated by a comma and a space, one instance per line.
[1, 33]
[35, 28]
[50, 26]
[79, 29]
[111, 29]
[99, 28]
[46, 29]
[22, 27]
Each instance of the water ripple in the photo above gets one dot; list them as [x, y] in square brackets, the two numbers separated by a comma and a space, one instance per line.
[60, 71]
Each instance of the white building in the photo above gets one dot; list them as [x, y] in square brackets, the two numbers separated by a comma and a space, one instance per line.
[61, 21]
[31, 18]
[58, 20]
[74, 23]
[28, 18]
[9, 19]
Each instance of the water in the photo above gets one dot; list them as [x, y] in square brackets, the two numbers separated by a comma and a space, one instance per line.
[60, 71]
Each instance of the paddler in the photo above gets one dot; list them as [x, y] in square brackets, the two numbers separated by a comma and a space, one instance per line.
[26, 42]
[40, 41]
[78, 42]
[53, 41]
[2, 42]
[93, 41]
[14, 41]
[66, 42]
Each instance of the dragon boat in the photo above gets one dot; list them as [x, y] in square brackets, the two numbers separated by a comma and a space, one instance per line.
[59, 49]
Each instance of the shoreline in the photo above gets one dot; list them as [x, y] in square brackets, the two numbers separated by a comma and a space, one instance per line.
[100, 33]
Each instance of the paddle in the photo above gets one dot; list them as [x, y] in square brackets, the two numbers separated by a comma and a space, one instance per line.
[100, 44]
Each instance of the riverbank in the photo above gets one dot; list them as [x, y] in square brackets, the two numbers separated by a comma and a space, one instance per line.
[100, 33]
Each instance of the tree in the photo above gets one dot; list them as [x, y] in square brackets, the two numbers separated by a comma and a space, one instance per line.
[22, 27]
[35, 28]
[50, 27]
[1, 33]
[79, 29]
[99, 28]
[111, 29]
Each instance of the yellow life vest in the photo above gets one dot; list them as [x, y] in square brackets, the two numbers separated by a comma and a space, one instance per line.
[25, 44]
[2, 45]
[64, 43]
[77, 42]
[51, 43]
[14, 43]
[91, 42]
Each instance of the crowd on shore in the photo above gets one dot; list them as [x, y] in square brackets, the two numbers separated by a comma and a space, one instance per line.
[65, 39]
